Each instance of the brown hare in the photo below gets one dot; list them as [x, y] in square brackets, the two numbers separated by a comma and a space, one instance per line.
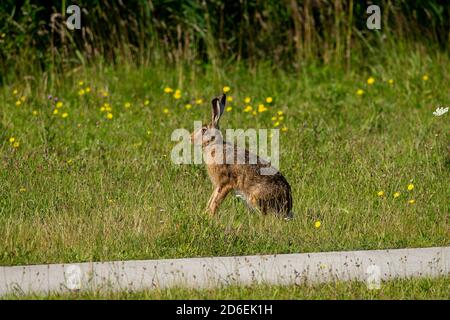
[230, 169]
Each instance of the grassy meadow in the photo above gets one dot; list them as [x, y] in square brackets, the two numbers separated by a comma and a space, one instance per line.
[89, 177]
[86, 118]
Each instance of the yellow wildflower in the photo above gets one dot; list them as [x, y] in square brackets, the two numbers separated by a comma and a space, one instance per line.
[16, 144]
[269, 99]
[360, 92]
[199, 101]
[22, 189]
[35, 113]
[127, 105]
[166, 111]
[177, 94]
[391, 81]
[229, 109]
[168, 90]
[59, 104]
[247, 99]
[230, 99]
[188, 106]
[80, 83]
[15, 92]
[12, 139]
[396, 195]
[87, 89]
[280, 113]
[262, 108]
[276, 124]
[18, 103]
[370, 81]
[65, 115]
[410, 187]
[109, 115]
[226, 89]
[412, 201]
[248, 109]
[317, 224]
[284, 129]
[425, 77]
[146, 103]
[81, 92]
[380, 193]
[23, 98]
[55, 111]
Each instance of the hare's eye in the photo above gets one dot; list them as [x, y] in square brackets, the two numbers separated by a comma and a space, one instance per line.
[204, 130]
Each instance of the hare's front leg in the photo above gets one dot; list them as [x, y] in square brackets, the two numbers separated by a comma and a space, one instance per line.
[218, 197]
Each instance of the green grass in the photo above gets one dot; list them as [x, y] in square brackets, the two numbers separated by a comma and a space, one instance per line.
[395, 289]
[87, 188]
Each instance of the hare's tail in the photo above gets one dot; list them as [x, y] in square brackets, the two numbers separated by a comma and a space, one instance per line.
[289, 216]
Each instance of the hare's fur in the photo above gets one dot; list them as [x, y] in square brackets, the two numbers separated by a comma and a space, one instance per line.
[231, 168]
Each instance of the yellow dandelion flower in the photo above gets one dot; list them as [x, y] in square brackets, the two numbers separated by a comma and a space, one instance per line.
[22, 189]
[425, 77]
[109, 115]
[16, 144]
[81, 92]
[280, 113]
[317, 224]
[284, 129]
[87, 89]
[226, 89]
[23, 98]
[59, 104]
[410, 187]
[248, 109]
[391, 81]
[148, 132]
[18, 103]
[247, 99]
[412, 201]
[12, 139]
[281, 118]
[15, 92]
[380, 193]
[273, 118]
[371, 81]
[127, 105]
[102, 109]
[65, 115]
[199, 101]
[229, 109]
[168, 90]
[188, 106]
[104, 94]
[166, 111]
[80, 83]
[360, 92]
[269, 99]
[177, 94]
[262, 108]
[396, 195]
[35, 113]
[230, 99]
[254, 113]
[276, 124]
[55, 111]
[146, 103]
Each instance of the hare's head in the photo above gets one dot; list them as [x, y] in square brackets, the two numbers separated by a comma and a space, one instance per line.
[210, 133]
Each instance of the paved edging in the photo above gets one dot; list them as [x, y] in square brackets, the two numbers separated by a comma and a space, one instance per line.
[209, 272]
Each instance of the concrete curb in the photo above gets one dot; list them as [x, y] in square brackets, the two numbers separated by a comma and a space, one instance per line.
[371, 266]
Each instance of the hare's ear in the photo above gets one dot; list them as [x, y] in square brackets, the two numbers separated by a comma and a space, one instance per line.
[218, 106]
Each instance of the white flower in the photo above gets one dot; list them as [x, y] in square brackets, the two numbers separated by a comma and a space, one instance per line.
[440, 111]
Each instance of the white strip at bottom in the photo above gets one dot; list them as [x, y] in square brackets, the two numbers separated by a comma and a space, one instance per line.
[370, 266]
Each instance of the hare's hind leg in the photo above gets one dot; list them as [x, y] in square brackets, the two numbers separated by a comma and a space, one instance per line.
[218, 197]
